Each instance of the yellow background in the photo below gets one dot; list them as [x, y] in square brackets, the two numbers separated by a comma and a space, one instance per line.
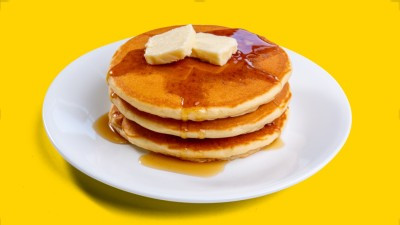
[358, 42]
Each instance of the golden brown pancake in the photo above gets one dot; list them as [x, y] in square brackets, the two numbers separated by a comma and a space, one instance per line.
[194, 90]
[219, 128]
[200, 150]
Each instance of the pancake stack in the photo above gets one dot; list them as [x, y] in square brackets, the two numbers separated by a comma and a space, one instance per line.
[197, 111]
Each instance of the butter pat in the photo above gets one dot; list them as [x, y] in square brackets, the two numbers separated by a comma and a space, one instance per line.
[170, 46]
[214, 49]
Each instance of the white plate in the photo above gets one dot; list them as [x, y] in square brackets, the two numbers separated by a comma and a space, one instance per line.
[319, 123]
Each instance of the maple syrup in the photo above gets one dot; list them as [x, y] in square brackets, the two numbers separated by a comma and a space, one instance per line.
[171, 164]
[190, 79]
[277, 144]
[103, 128]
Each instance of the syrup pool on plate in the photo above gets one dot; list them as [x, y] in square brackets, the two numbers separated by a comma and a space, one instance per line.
[171, 164]
[103, 128]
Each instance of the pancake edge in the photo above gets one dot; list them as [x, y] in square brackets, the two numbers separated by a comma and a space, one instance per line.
[204, 133]
[235, 152]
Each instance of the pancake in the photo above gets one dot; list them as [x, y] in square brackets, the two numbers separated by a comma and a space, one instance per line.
[199, 150]
[220, 128]
[194, 90]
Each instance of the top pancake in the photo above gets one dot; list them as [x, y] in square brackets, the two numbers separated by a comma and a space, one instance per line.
[193, 90]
